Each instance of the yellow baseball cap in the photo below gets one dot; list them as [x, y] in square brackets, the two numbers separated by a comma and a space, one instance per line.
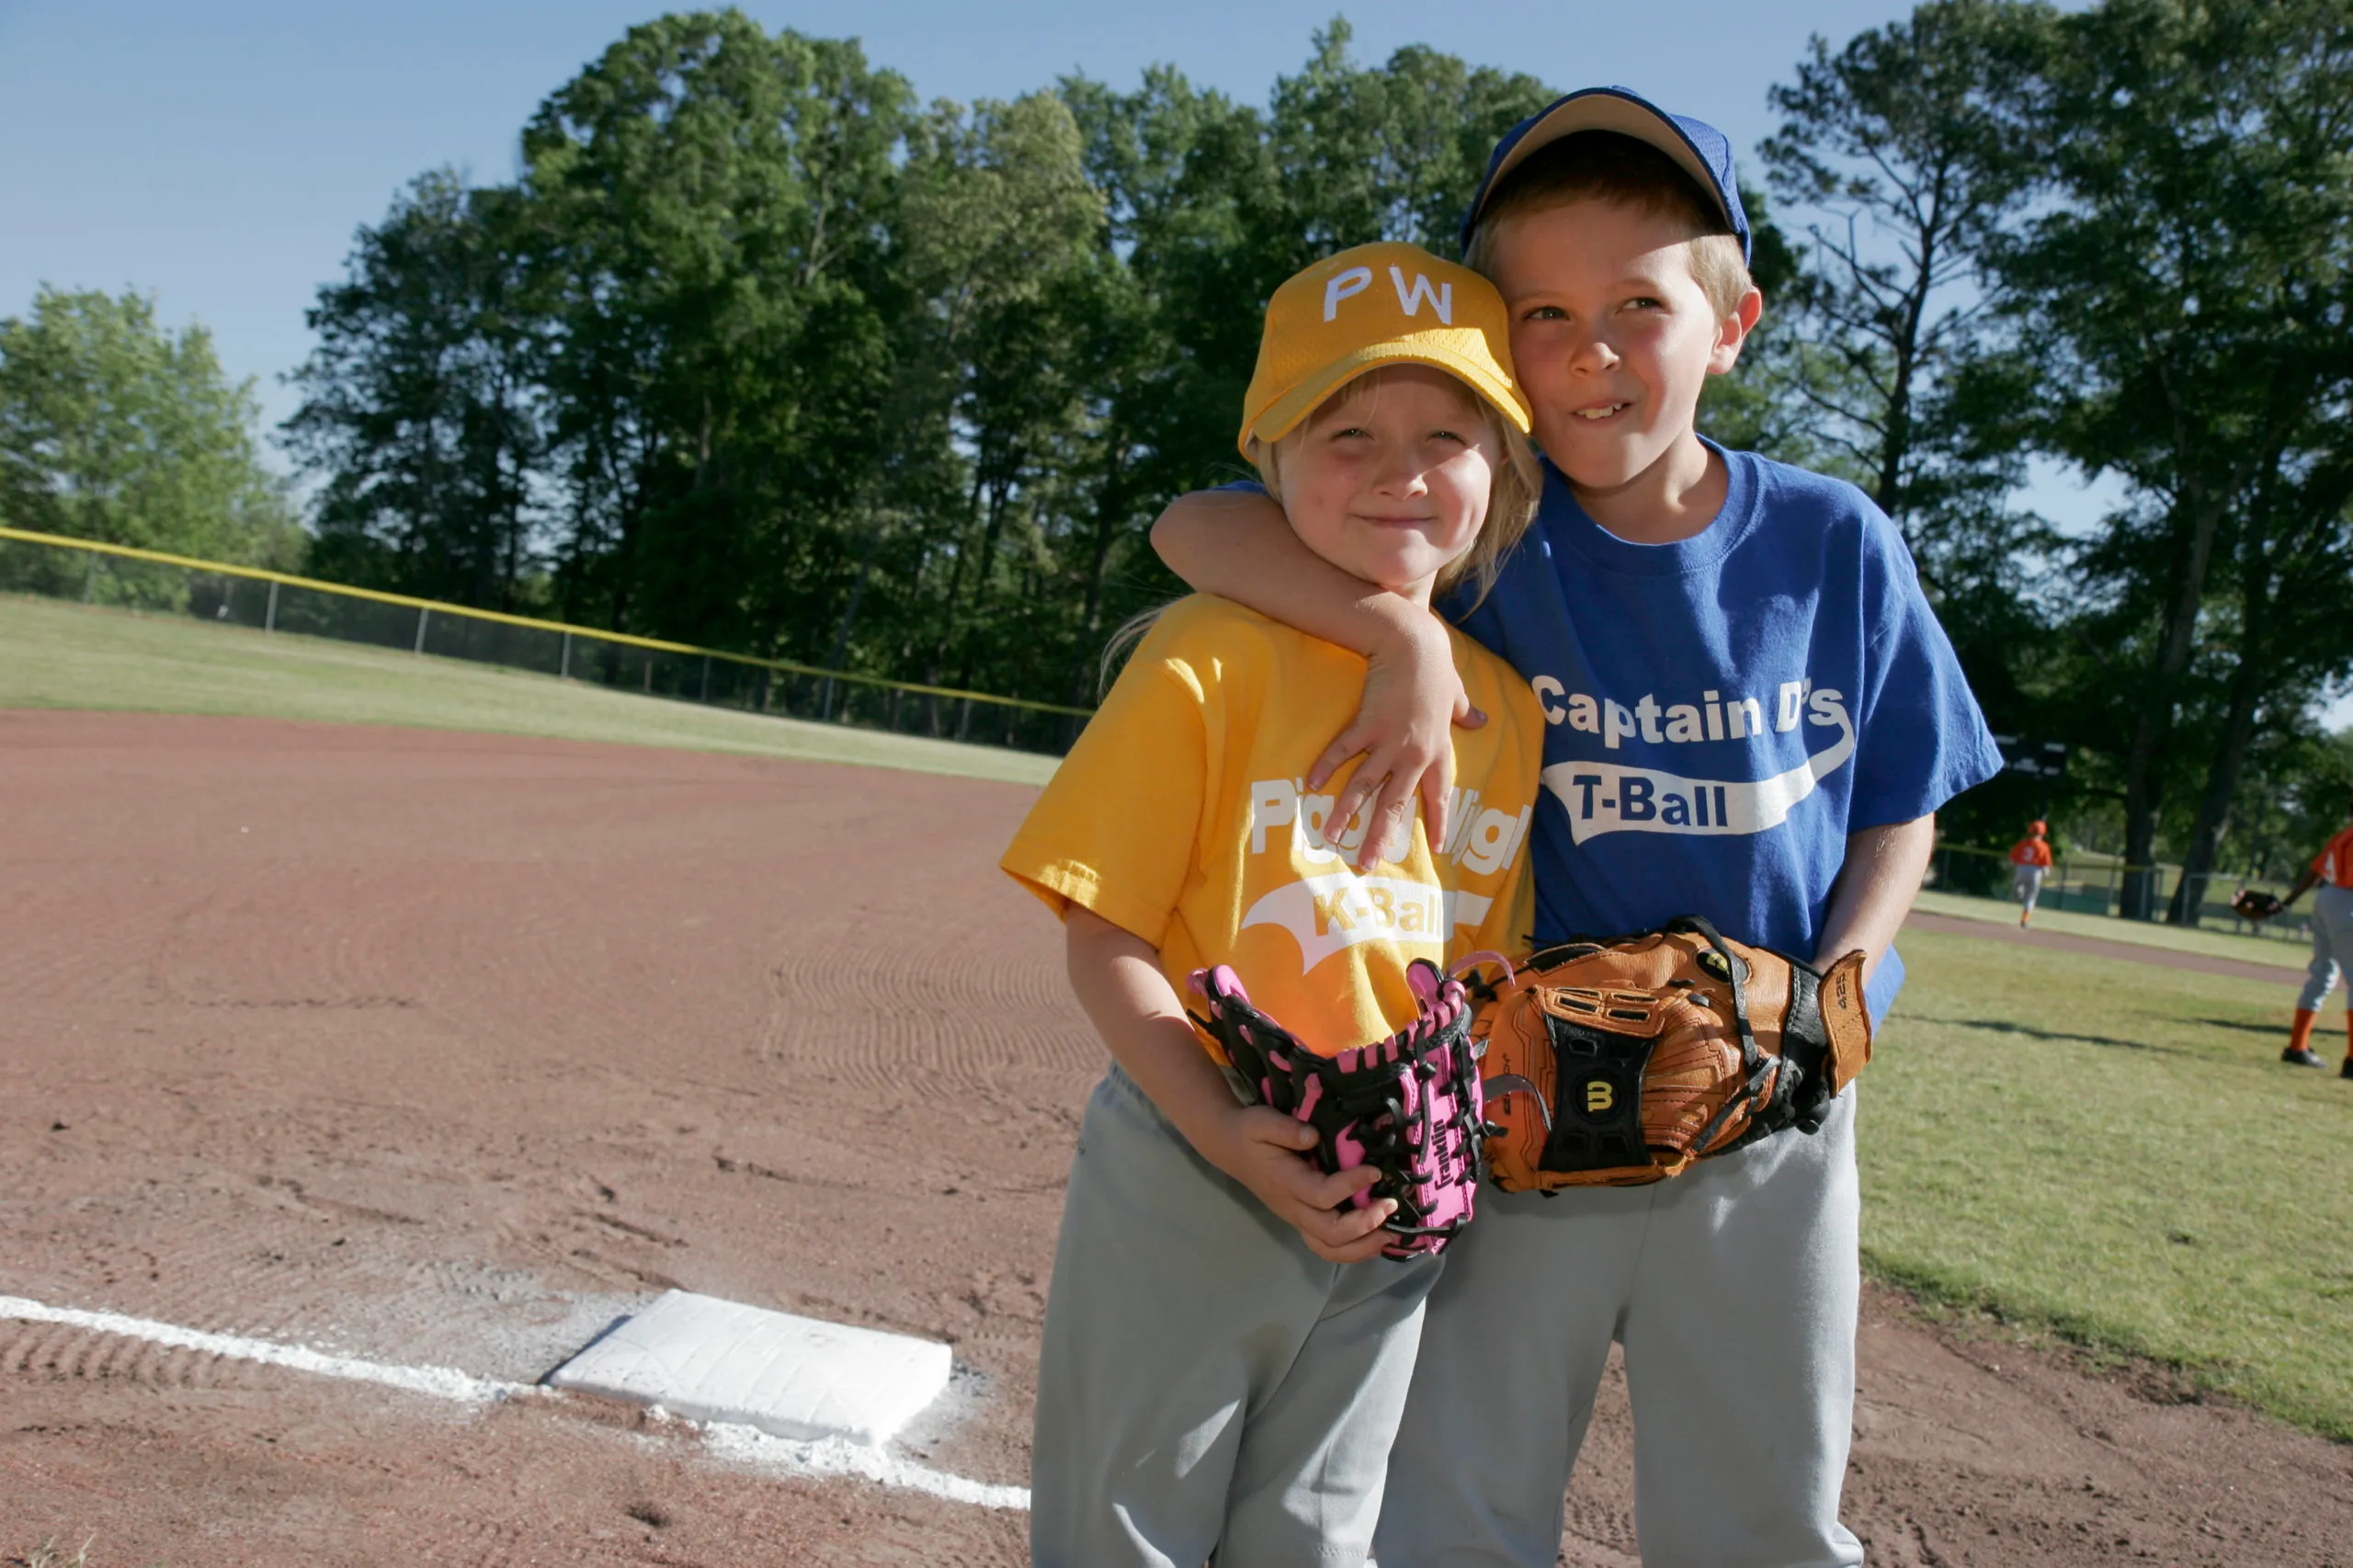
[1379, 304]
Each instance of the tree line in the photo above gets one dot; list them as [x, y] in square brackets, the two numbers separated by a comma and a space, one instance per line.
[762, 352]
[759, 350]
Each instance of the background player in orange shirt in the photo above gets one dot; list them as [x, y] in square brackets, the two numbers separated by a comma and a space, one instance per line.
[2029, 857]
[2331, 873]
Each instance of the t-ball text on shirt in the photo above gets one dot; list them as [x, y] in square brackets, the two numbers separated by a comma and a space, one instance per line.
[1602, 796]
[1334, 911]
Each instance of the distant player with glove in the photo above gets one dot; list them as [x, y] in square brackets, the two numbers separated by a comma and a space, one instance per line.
[2255, 905]
[1227, 1348]
[2030, 858]
[2331, 873]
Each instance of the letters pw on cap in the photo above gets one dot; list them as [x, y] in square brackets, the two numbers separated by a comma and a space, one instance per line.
[1375, 305]
[1697, 148]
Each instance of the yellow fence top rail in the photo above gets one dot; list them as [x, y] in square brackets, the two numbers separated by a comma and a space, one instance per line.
[437, 607]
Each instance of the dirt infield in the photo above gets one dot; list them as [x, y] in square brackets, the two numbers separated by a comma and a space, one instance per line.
[448, 1049]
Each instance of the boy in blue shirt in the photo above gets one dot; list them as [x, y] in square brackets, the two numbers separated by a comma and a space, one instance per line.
[1752, 714]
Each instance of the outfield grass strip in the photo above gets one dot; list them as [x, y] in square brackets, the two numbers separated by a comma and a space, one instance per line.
[58, 656]
[2283, 952]
[2094, 947]
[501, 618]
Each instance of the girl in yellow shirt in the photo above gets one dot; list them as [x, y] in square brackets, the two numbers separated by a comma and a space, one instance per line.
[1226, 1356]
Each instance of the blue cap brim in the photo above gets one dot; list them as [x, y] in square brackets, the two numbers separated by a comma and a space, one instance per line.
[1697, 148]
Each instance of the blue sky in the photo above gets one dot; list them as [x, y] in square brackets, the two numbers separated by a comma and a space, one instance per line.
[221, 155]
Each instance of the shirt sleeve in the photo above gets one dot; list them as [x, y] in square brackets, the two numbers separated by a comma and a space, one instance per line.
[1920, 737]
[2329, 865]
[1116, 829]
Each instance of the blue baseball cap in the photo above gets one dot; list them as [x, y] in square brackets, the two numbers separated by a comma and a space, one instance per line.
[1697, 148]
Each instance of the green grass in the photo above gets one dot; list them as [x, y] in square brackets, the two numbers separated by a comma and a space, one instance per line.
[2278, 951]
[2112, 1151]
[74, 657]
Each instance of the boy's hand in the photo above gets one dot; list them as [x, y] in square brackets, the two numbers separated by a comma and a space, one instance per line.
[1413, 697]
[1266, 1151]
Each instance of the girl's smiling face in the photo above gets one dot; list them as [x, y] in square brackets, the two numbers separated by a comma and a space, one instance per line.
[1390, 479]
[1612, 337]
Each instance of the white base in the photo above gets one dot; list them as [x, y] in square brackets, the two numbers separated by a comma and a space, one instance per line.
[792, 1377]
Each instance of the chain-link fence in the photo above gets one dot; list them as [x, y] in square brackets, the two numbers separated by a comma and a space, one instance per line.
[278, 602]
[2090, 884]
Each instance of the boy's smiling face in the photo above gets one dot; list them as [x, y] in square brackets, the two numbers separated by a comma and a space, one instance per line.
[1612, 338]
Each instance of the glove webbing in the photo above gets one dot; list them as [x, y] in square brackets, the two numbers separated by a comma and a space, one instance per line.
[1759, 1073]
[1358, 1100]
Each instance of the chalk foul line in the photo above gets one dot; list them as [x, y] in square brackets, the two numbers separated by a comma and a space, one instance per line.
[742, 1445]
[839, 1456]
[440, 1382]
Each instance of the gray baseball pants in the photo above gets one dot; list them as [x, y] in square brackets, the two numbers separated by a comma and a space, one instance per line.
[2332, 943]
[1733, 1290]
[1207, 1385]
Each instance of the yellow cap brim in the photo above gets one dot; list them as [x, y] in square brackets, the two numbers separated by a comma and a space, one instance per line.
[1281, 416]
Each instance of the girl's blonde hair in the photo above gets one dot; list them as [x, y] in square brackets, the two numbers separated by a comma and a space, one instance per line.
[1512, 496]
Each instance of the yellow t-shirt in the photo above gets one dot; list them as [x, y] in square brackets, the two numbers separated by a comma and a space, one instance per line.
[1181, 816]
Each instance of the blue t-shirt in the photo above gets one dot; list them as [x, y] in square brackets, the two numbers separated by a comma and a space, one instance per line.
[1722, 711]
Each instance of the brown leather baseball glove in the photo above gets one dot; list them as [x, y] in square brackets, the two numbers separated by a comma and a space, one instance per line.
[1618, 1062]
[2253, 904]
